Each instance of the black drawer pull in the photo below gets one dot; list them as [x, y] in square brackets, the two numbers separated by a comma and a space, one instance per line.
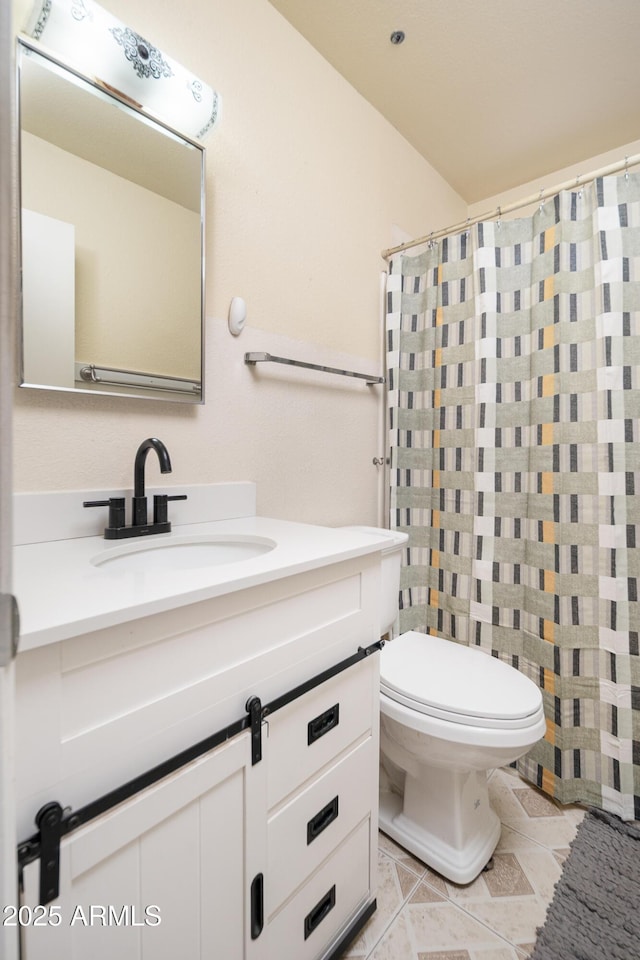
[320, 725]
[319, 912]
[322, 819]
[257, 906]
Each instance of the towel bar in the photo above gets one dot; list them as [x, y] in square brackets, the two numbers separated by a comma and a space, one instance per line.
[253, 358]
[93, 373]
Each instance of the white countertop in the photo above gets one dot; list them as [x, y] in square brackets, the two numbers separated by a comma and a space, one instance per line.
[61, 594]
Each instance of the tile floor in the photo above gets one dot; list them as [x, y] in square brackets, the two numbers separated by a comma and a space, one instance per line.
[422, 916]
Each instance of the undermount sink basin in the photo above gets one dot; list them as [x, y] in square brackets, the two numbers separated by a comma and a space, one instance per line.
[181, 553]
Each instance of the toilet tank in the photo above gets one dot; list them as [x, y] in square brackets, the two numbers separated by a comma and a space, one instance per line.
[391, 564]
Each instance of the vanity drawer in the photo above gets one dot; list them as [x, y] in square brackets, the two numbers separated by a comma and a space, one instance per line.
[307, 925]
[302, 834]
[311, 731]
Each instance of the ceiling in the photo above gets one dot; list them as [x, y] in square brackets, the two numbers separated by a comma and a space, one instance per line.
[493, 93]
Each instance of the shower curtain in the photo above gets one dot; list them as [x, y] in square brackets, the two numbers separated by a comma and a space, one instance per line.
[514, 415]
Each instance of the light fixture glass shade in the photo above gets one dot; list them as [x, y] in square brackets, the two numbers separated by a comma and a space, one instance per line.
[93, 42]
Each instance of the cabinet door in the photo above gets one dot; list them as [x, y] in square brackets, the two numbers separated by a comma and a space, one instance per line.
[166, 874]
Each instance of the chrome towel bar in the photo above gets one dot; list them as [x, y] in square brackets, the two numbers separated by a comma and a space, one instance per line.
[94, 373]
[253, 358]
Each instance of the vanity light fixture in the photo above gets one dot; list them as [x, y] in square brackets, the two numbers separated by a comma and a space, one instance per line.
[93, 42]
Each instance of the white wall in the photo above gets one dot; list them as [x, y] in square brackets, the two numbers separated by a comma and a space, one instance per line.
[306, 184]
[551, 180]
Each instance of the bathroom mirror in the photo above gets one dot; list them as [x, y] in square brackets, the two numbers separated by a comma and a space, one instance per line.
[111, 241]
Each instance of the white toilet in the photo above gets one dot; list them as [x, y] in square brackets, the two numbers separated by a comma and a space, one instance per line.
[448, 715]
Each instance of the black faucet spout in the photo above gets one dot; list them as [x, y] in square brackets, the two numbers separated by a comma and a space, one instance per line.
[139, 498]
[140, 527]
[138, 468]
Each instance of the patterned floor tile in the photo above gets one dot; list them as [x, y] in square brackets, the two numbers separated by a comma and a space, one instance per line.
[507, 878]
[393, 849]
[423, 916]
[447, 955]
[561, 855]
[396, 943]
[475, 890]
[527, 949]
[542, 870]
[444, 926]
[555, 829]
[395, 884]
[536, 804]
[497, 953]
[425, 893]
[514, 919]
[435, 880]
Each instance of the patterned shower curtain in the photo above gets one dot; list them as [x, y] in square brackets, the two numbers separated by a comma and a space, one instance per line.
[514, 411]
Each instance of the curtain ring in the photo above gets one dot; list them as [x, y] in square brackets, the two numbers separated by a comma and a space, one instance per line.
[499, 221]
[541, 199]
[626, 168]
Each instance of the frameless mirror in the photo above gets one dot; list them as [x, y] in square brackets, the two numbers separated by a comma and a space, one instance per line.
[111, 241]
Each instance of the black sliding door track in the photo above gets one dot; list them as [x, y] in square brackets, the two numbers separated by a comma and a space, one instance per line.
[54, 822]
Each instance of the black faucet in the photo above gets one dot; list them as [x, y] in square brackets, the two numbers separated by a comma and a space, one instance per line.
[139, 517]
[116, 530]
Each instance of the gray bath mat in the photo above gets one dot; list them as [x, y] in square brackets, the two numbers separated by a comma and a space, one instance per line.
[595, 911]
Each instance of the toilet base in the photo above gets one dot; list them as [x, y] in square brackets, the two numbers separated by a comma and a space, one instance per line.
[447, 822]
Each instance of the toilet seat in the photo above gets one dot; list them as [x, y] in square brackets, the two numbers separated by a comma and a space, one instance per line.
[442, 679]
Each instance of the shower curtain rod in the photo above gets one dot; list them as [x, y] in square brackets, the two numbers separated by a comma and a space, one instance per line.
[534, 198]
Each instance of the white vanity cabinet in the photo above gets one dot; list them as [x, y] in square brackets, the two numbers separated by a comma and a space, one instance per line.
[239, 855]
[162, 875]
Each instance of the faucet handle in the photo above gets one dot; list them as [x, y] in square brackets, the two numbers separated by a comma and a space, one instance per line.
[116, 509]
[160, 501]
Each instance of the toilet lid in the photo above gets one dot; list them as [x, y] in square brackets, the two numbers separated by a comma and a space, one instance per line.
[462, 684]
